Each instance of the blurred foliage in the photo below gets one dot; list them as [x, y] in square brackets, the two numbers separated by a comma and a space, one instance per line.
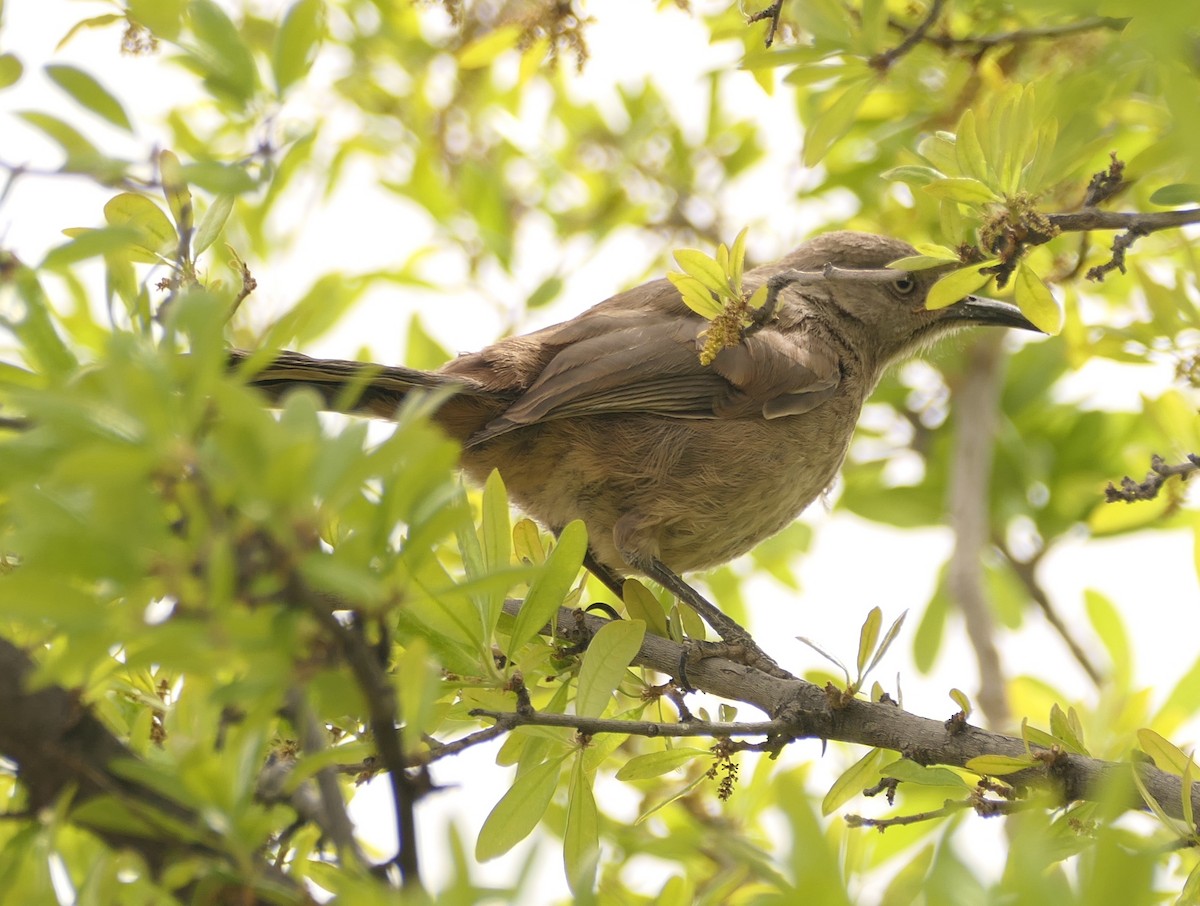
[169, 549]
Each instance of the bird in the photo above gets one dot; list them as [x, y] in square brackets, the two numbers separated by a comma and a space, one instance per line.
[674, 465]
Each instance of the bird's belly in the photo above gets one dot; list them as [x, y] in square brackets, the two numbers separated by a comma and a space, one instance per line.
[699, 493]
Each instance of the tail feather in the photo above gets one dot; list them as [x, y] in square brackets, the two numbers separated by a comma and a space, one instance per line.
[373, 390]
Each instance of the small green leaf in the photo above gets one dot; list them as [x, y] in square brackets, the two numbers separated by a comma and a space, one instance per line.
[1106, 620]
[911, 772]
[859, 776]
[1176, 194]
[960, 698]
[550, 586]
[888, 638]
[527, 543]
[89, 93]
[1066, 730]
[737, 259]
[640, 604]
[956, 285]
[212, 223]
[482, 51]
[222, 54]
[1166, 755]
[519, 810]
[94, 22]
[704, 269]
[10, 69]
[967, 149]
[868, 635]
[496, 533]
[1036, 301]
[157, 235]
[608, 656]
[695, 296]
[175, 190]
[962, 189]
[999, 765]
[835, 121]
[581, 836]
[655, 764]
[296, 42]
[912, 175]
[87, 243]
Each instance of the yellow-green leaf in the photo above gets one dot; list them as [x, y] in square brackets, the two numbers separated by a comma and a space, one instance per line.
[655, 764]
[703, 268]
[89, 93]
[482, 51]
[1167, 756]
[608, 656]
[835, 121]
[157, 235]
[550, 586]
[519, 810]
[956, 285]
[967, 149]
[999, 765]
[868, 635]
[212, 223]
[581, 836]
[1036, 301]
[911, 772]
[695, 296]
[640, 604]
[961, 188]
[10, 69]
[960, 698]
[175, 190]
[527, 543]
[296, 42]
[737, 258]
[859, 776]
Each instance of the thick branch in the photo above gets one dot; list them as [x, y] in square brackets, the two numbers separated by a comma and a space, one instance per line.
[800, 709]
[1145, 222]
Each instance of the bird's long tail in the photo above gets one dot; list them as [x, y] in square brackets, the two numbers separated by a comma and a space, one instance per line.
[368, 389]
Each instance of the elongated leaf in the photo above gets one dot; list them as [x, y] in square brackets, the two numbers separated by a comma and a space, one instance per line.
[868, 635]
[604, 664]
[704, 269]
[175, 189]
[737, 258]
[212, 223]
[10, 69]
[956, 285]
[911, 772]
[1176, 194]
[695, 296]
[482, 51]
[1036, 301]
[835, 121]
[296, 42]
[999, 765]
[1167, 756]
[859, 776]
[655, 764]
[888, 638]
[550, 587]
[89, 93]
[967, 149]
[960, 698]
[961, 188]
[527, 543]
[581, 836]
[87, 243]
[519, 810]
[640, 604]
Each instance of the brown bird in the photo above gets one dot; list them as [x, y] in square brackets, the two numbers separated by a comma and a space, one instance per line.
[673, 465]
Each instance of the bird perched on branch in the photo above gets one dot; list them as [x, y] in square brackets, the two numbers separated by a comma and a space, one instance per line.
[674, 465]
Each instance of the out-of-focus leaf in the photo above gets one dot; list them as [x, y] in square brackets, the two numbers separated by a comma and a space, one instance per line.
[222, 55]
[296, 42]
[1176, 194]
[212, 223]
[175, 189]
[859, 776]
[10, 69]
[835, 121]
[482, 51]
[999, 765]
[962, 189]
[655, 764]
[89, 93]
[157, 237]
[1167, 756]
[581, 837]
[519, 810]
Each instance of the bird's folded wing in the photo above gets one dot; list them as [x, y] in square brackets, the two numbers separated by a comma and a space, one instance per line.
[653, 367]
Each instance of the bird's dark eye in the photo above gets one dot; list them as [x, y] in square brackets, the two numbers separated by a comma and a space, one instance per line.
[905, 285]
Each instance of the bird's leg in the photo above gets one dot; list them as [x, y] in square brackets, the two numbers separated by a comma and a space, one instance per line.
[607, 576]
[739, 645]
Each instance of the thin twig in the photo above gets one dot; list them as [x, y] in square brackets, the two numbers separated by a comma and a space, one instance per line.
[885, 60]
[1160, 471]
[1021, 35]
[772, 12]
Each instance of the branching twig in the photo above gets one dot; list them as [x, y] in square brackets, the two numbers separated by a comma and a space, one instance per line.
[884, 61]
[984, 807]
[979, 43]
[772, 12]
[1160, 471]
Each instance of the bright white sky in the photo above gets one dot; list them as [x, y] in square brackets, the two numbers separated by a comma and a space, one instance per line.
[854, 565]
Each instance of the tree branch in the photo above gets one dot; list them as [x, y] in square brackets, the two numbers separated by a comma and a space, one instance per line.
[802, 710]
[885, 60]
[1160, 471]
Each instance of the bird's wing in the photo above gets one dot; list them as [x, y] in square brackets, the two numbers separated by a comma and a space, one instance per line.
[648, 362]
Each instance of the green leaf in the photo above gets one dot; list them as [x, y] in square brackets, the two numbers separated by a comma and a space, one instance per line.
[964, 703]
[212, 223]
[222, 55]
[912, 175]
[88, 244]
[608, 656]
[527, 543]
[962, 189]
[100, 21]
[78, 149]
[157, 236]
[641, 604]
[704, 269]
[834, 122]
[519, 810]
[956, 285]
[176, 192]
[1176, 194]
[999, 765]
[868, 635]
[10, 69]
[737, 259]
[911, 772]
[496, 533]
[1106, 620]
[888, 638]
[581, 836]
[861, 775]
[296, 43]
[551, 585]
[1036, 301]
[1067, 729]
[655, 764]
[695, 296]
[1185, 791]
[1166, 755]
[482, 51]
[968, 151]
[89, 93]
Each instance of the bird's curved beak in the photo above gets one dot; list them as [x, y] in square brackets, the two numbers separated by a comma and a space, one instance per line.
[981, 310]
